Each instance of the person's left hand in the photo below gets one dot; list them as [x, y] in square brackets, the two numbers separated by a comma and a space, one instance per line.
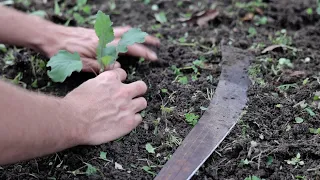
[84, 41]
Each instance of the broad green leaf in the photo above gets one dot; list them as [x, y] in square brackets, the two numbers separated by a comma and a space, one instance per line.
[161, 17]
[90, 169]
[106, 60]
[104, 31]
[183, 80]
[63, 64]
[103, 28]
[149, 148]
[131, 37]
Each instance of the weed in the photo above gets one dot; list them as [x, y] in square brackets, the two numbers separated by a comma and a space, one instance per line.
[150, 148]
[299, 120]
[269, 160]
[191, 118]
[161, 17]
[252, 5]
[244, 162]
[309, 11]
[252, 32]
[318, 8]
[183, 80]
[281, 38]
[314, 131]
[64, 63]
[260, 20]
[296, 161]
[148, 170]
[252, 178]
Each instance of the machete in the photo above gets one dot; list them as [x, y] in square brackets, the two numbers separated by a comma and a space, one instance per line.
[219, 119]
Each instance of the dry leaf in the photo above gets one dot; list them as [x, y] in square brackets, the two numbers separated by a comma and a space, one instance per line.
[118, 166]
[259, 10]
[248, 17]
[271, 48]
[298, 73]
[201, 18]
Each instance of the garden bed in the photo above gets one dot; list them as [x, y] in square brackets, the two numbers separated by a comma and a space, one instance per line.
[276, 125]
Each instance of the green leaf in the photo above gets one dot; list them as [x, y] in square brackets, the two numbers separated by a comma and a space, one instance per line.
[56, 8]
[149, 148]
[269, 160]
[103, 155]
[183, 80]
[63, 64]
[309, 110]
[161, 17]
[148, 170]
[318, 10]
[81, 3]
[86, 9]
[3, 48]
[80, 20]
[131, 37]
[104, 31]
[90, 169]
[39, 13]
[109, 55]
[299, 120]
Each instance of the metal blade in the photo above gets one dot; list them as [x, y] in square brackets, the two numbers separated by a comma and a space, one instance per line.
[216, 123]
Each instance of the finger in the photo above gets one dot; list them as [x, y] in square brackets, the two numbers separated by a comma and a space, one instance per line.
[90, 65]
[119, 31]
[139, 104]
[137, 119]
[140, 50]
[120, 74]
[113, 66]
[136, 88]
[152, 41]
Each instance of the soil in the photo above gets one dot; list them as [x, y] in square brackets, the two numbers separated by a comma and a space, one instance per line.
[266, 135]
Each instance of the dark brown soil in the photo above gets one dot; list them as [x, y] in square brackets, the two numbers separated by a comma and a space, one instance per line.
[261, 134]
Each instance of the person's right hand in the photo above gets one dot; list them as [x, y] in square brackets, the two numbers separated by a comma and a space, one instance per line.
[106, 108]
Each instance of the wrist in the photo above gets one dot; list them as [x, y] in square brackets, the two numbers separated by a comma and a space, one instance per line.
[72, 127]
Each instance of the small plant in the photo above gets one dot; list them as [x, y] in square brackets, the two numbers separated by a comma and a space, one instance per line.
[296, 161]
[318, 8]
[282, 38]
[309, 11]
[161, 17]
[252, 5]
[252, 32]
[244, 162]
[191, 118]
[314, 131]
[65, 63]
[252, 178]
[148, 169]
[150, 148]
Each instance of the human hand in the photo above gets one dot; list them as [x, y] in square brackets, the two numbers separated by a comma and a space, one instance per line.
[106, 108]
[84, 41]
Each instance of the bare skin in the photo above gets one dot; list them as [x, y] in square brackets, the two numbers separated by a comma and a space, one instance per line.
[98, 111]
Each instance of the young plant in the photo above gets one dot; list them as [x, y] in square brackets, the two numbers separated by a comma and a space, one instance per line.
[191, 118]
[296, 161]
[65, 63]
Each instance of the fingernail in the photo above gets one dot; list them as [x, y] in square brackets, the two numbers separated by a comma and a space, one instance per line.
[153, 56]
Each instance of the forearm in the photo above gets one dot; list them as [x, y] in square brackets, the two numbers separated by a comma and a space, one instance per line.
[32, 125]
[18, 28]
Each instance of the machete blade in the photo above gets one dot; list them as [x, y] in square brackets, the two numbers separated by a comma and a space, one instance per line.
[223, 113]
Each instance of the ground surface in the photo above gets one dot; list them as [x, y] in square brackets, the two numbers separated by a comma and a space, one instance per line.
[270, 131]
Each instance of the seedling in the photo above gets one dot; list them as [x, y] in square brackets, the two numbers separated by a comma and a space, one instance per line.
[260, 20]
[150, 148]
[318, 8]
[299, 120]
[252, 32]
[191, 118]
[309, 11]
[148, 170]
[252, 5]
[244, 162]
[65, 63]
[314, 131]
[161, 17]
[252, 178]
[296, 161]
